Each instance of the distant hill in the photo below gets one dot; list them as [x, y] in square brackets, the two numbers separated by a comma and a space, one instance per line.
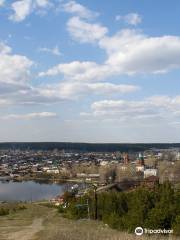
[88, 147]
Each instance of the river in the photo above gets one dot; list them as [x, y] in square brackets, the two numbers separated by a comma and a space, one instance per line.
[30, 190]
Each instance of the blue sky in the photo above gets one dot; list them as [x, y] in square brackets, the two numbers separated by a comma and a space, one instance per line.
[90, 71]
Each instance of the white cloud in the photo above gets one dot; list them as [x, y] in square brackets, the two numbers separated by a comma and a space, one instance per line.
[69, 69]
[4, 49]
[28, 116]
[2, 2]
[128, 52]
[120, 107]
[23, 8]
[158, 107]
[15, 79]
[16, 87]
[4, 102]
[43, 3]
[131, 52]
[77, 9]
[79, 71]
[110, 88]
[131, 18]
[54, 51]
[72, 90]
[85, 32]
[14, 69]
[122, 40]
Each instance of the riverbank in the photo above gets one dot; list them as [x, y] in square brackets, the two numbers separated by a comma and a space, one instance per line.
[50, 179]
[38, 222]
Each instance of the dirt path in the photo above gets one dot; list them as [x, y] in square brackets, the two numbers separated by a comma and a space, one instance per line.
[28, 232]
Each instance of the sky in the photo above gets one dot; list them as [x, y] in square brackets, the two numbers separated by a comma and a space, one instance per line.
[90, 71]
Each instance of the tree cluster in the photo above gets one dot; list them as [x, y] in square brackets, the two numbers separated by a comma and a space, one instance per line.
[157, 209]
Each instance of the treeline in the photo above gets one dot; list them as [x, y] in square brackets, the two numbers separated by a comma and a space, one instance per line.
[158, 209]
[87, 147]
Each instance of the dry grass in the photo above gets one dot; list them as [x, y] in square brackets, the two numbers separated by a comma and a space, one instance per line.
[21, 225]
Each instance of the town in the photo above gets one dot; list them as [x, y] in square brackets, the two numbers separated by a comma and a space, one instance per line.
[102, 168]
[97, 185]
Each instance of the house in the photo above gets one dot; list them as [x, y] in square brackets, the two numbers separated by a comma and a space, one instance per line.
[140, 168]
[58, 200]
[150, 172]
[53, 171]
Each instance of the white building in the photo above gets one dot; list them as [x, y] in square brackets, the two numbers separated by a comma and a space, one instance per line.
[150, 172]
[178, 156]
[140, 168]
[54, 171]
[104, 163]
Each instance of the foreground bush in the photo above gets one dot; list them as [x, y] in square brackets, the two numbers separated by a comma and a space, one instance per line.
[4, 211]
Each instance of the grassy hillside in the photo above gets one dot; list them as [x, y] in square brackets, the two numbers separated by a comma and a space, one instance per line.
[42, 223]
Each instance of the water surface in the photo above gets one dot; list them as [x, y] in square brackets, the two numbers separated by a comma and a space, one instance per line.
[30, 190]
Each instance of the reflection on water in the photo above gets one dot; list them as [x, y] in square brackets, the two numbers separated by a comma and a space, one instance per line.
[29, 190]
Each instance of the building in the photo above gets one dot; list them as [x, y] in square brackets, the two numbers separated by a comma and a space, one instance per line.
[126, 158]
[150, 172]
[141, 160]
[140, 168]
[59, 200]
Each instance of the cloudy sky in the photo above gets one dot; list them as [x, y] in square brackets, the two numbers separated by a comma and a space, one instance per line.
[90, 71]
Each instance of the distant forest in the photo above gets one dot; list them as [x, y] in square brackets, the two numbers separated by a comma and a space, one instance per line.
[88, 147]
